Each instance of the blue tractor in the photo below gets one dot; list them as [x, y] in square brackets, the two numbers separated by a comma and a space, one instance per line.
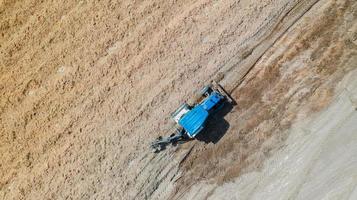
[191, 118]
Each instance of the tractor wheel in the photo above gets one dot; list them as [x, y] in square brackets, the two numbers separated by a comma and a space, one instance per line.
[223, 92]
[206, 90]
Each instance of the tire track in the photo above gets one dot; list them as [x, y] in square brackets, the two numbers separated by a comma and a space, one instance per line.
[236, 70]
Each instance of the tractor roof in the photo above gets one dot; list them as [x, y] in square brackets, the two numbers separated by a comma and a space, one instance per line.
[193, 121]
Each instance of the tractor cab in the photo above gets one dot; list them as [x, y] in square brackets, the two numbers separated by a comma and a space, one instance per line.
[191, 117]
[193, 120]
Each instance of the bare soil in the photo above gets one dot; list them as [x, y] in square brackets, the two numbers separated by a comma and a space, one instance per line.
[86, 85]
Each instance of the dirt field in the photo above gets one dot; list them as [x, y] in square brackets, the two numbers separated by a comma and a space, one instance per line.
[86, 85]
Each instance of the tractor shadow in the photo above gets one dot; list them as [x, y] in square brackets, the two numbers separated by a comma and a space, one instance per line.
[216, 126]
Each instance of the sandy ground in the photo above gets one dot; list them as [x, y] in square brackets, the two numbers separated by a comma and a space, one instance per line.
[87, 85]
[318, 160]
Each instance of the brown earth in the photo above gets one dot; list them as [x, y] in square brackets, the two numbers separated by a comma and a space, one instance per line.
[86, 85]
[302, 76]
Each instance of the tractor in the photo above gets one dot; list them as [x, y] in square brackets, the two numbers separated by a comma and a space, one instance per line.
[190, 118]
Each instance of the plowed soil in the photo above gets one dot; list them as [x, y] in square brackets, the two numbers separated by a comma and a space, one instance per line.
[86, 86]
